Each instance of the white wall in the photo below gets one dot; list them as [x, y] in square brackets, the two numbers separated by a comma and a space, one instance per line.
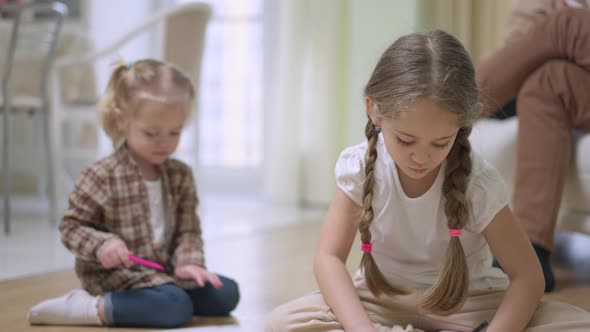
[121, 16]
[374, 25]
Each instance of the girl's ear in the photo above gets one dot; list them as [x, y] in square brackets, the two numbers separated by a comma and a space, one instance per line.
[371, 111]
[121, 120]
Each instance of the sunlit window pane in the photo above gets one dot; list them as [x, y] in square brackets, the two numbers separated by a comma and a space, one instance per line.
[230, 105]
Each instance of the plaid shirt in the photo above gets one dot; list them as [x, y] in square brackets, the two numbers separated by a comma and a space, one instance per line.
[110, 201]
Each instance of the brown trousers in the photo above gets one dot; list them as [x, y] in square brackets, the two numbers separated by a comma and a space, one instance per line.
[401, 314]
[548, 69]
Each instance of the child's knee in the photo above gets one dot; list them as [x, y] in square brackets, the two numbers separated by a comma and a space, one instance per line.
[228, 297]
[304, 312]
[282, 318]
[276, 320]
[175, 308]
[232, 294]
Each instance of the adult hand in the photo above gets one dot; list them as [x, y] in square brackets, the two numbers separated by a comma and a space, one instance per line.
[198, 274]
[114, 253]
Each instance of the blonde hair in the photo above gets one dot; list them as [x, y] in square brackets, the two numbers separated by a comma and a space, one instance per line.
[143, 80]
[433, 66]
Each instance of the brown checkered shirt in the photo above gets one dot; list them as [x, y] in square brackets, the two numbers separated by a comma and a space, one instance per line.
[110, 201]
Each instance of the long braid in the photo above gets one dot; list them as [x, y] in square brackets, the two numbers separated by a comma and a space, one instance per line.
[436, 67]
[376, 282]
[450, 290]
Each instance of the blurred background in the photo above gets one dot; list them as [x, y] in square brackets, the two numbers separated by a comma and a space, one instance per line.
[280, 95]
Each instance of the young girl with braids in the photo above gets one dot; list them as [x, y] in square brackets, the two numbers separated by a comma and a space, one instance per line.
[428, 211]
[138, 201]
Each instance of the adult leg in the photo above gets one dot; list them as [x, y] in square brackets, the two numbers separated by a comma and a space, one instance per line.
[563, 35]
[552, 102]
[211, 301]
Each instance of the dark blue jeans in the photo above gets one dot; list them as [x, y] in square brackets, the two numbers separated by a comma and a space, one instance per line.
[169, 306]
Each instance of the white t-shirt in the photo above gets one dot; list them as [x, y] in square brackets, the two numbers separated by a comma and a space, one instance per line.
[410, 235]
[154, 189]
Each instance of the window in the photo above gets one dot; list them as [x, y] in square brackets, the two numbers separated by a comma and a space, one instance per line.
[230, 119]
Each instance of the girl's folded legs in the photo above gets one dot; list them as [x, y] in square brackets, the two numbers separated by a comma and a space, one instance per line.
[77, 307]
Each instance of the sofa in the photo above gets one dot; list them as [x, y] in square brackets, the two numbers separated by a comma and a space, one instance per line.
[495, 141]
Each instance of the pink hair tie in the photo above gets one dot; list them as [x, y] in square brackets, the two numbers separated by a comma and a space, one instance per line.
[367, 247]
[455, 232]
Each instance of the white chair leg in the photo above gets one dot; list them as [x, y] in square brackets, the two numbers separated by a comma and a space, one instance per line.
[40, 138]
[52, 168]
[6, 164]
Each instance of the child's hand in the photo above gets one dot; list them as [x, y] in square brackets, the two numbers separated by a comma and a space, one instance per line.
[114, 253]
[198, 274]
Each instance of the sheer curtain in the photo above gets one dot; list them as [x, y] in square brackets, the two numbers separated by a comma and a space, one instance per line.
[319, 55]
[305, 77]
[479, 24]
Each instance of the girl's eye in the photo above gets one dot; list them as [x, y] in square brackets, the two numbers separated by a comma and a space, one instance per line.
[150, 134]
[402, 142]
[441, 146]
[175, 133]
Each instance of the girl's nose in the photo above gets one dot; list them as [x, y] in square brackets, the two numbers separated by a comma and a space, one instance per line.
[419, 158]
[161, 142]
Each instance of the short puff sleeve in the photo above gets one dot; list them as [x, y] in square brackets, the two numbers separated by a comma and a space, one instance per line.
[488, 194]
[350, 172]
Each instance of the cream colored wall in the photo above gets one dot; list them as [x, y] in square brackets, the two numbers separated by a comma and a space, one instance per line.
[373, 26]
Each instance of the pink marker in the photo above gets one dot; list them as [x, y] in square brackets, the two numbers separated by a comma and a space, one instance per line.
[145, 262]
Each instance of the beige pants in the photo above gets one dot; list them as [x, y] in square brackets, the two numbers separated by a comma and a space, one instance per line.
[401, 314]
[548, 70]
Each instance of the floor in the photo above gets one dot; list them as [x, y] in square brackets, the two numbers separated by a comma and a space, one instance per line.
[35, 247]
[268, 250]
